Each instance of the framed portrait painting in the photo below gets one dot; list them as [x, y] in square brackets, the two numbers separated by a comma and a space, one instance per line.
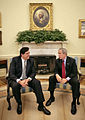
[82, 28]
[41, 16]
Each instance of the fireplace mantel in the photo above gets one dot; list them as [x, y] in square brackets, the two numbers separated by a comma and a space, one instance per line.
[46, 48]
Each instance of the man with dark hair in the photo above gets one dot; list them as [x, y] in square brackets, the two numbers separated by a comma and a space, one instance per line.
[21, 74]
[65, 72]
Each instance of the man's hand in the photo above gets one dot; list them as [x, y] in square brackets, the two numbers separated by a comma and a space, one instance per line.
[22, 83]
[27, 80]
[63, 81]
[58, 78]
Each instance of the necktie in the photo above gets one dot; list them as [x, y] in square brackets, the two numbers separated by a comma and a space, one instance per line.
[63, 70]
[24, 70]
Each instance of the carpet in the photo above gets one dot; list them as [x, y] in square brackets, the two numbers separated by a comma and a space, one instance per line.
[3, 81]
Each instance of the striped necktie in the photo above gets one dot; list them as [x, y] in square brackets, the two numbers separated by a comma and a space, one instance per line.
[24, 70]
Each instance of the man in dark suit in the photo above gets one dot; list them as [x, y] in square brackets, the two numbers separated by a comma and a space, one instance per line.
[65, 71]
[21, 74]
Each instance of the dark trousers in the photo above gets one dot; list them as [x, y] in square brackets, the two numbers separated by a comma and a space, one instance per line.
[34, 84]
[74, 82]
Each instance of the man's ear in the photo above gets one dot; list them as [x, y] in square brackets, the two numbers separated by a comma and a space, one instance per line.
[21, 54]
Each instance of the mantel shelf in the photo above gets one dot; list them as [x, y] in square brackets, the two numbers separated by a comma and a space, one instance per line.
[47, 42]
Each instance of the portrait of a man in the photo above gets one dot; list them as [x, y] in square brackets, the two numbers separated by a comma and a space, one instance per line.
[41, 16]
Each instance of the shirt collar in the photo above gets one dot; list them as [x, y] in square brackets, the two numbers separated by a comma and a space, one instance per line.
[65, 60]
[23, 59]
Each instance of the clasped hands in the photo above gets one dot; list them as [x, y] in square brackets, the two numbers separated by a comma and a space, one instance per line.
[24, 82]
[61, 80]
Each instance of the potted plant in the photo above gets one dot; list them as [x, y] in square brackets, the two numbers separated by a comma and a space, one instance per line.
[40, 36]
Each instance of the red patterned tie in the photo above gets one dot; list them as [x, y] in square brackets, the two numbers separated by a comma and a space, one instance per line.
[63, 70]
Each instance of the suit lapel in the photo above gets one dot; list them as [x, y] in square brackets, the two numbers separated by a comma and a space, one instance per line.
[67, 65]
[60, 63]
[28, 66]
[20, 63]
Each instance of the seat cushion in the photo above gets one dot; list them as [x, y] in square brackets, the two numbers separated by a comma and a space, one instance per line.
[23, 90]
[64, 86]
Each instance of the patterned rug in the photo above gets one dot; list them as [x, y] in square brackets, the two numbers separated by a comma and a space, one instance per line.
[3, 81]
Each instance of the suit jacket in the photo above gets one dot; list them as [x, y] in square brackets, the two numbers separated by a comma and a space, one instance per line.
[71, 67]
[15, 70]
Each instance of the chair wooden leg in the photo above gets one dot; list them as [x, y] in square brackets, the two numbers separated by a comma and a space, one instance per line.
[9, 103]
[78, 103]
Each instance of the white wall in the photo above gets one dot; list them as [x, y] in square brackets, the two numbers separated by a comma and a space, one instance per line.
[66, 15]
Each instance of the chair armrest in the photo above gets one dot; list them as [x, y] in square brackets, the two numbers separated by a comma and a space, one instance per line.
[79, 72]
[81, 76]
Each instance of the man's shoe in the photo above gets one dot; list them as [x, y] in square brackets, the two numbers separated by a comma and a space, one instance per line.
[50, 101]
[46, 111]
[73, 108]
[19, 109]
